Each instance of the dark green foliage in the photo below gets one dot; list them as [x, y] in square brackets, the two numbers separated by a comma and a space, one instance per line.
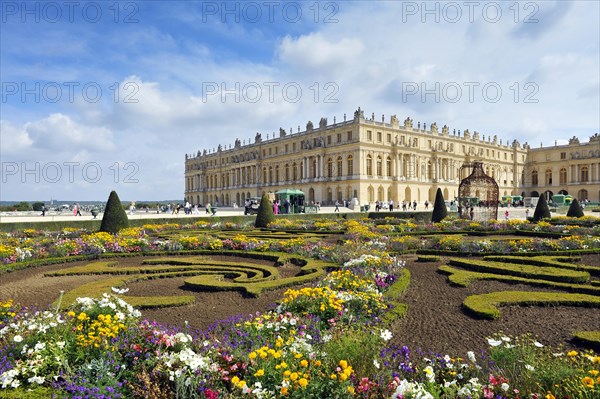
[575, 210]
[114, 218]
[541, 210]
[38, 206]
[265, 213]
[439, 207]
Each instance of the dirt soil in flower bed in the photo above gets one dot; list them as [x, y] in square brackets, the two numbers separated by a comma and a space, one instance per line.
[435, 320]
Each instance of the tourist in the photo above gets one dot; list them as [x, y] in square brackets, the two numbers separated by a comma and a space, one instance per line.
[527, 214]
[506, 215]
[391, 204]
[426, 204]
[415, 205]
[208, 207]
[337, 206]
[471, 213]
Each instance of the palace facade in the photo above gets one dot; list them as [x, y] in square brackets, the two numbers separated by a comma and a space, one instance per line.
[373, 160]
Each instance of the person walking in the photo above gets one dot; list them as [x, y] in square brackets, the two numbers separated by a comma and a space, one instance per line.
[415, 205]
[527, 214]
[506, 215]
[426, 204]
[337, 206]
[391, 205]
[207, 207]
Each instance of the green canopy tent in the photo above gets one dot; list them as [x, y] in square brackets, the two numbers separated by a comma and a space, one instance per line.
[295, 198]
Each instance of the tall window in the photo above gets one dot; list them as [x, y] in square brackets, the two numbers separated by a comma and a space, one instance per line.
[584, 174]
[339, 166]
[534, 178]
[369, 135]
[548, 177]
[329, 167]
[371, 192]
[264, 175]
[350, 164]
[277, 174]
[369, 165]
[379, 166]
[388, 167]
[562, 177]
[287, 172]
[294, 172]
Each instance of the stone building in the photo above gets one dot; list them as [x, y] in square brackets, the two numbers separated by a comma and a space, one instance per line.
[376, 160]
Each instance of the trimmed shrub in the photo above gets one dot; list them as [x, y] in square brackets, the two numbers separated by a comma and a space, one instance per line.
[541, 210]
[265, 213]
[575, 210]
[439, 208]
[114, 218]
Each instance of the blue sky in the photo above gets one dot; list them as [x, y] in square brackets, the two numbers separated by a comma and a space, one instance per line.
[99, 96]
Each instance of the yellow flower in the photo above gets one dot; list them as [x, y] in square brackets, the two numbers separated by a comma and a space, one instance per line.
[259, 373]
[304, 363]
[594, 372]
[588, 382]
[303, 382]
[343, 364]
[235, 380]
[550, 396]
[572, 353]
[351, 389]
[294, 376]
[284, 391]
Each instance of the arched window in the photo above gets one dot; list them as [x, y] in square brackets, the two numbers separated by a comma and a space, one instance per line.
[379, 166]
[369, 165]
[371, 192]
[562, 177]
[584, 174]
[287, 172]
[582, 195]
[339, 166]
[329, 167]
[264, 175]
[534, 178]
[350, 166]
[294, 171]
[270, 174]
[548, 177]
[388, 167]
[277, 174]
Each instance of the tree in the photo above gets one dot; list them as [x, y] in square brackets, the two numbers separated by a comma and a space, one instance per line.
[541, 210]
[265, 213]
[114, 218]
[575, 210]
[38, 206]
[439, 207]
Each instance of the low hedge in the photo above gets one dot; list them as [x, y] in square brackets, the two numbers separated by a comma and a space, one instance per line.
[428, 258]
[589, 339]
[203, 273]
[464, 278]
[392, 296]
[529, 271]
[486, 305]
[554, 261]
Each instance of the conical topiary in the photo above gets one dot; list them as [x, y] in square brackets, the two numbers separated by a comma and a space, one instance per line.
[114, 218]
[541, 210]
[439, 207]
[575, 210]
[265, 213]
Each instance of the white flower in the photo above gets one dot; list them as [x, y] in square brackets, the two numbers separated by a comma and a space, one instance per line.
[386, 335]
[494, 342]
[504, 387]
[471, 356]
[119, 291]
[376, 364]
[506, 339]
[429, 373]
[17, 338]
[539, 345]
[529, 367]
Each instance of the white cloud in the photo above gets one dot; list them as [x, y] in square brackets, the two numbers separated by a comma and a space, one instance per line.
[13, 139]
[58, 132]
[316, 53]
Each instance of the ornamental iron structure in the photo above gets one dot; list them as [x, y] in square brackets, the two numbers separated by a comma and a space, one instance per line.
[477, 194]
